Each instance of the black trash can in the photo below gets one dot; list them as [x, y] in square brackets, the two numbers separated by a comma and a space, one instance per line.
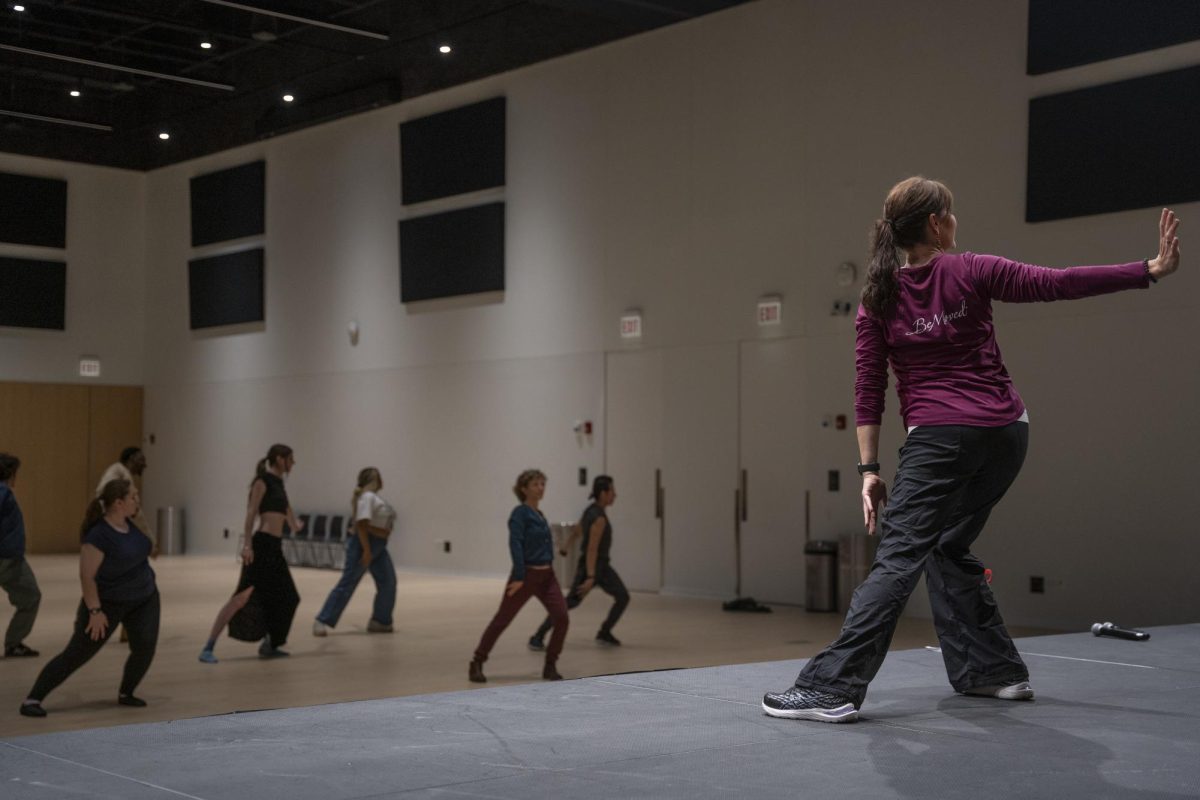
[820, 575]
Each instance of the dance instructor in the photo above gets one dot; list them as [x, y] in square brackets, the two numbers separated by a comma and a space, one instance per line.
[930, 318]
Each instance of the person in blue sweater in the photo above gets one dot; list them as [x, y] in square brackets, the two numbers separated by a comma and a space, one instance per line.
[16, 578]
[532, 548]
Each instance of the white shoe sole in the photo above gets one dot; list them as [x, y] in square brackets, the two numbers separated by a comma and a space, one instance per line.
[1018, 691]
[844, 713]
[320, 629]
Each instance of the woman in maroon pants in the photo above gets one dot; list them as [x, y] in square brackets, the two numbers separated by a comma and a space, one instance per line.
[532, 549]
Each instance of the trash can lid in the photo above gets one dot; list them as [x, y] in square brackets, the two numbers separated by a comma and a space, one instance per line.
[820, 547]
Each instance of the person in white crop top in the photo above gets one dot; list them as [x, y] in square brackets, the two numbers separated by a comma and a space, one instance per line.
[366, 550]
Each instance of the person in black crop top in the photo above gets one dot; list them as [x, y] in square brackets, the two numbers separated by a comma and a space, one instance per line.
[265, 601]
[118, 588]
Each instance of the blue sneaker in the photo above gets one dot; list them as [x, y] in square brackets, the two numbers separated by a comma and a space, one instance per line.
[799, 703]
[207, 657]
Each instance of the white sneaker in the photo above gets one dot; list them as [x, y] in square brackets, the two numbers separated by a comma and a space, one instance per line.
[378, 627]
[1013, 691]
[320, 628]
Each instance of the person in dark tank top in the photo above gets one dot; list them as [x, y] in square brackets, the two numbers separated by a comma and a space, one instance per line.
[118, 588]
[264, 603]
[594, 567]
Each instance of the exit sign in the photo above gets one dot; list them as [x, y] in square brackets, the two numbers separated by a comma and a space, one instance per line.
[89, 367]
[631, 326]
[770, 311]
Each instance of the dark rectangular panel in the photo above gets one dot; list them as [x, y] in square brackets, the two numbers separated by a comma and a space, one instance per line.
[1115, 147]
[453, 253]
[33, 210]
[453, 152]
[229, 204]
[226, 290]
[33, 294]
[1067, 33]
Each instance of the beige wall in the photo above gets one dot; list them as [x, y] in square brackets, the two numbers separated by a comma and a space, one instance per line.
[685, 172]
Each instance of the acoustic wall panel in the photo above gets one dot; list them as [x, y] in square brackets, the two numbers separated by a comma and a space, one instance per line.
[453, 152]
[1068, 33]
[229, 204]
[226, 289]
[33, 210]
[33, 294]
[452, 253]
[1114, 147]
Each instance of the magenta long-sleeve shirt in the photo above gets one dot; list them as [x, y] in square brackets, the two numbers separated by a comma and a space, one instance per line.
[941, 344]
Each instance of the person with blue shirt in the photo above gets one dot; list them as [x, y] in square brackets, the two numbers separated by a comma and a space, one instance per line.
[16, 578]
[118, 588]
[532, 547]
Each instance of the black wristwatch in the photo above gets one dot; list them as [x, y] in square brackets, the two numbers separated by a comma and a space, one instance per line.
[95, 611]
[863, 469]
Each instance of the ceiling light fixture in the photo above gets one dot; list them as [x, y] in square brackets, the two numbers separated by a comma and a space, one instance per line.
[18, 7]
[444, 49]
[164, 136]
[287, 98]
[76, 93]
[206, 45]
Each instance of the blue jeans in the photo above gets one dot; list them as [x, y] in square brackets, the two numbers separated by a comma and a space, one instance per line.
[381, 570]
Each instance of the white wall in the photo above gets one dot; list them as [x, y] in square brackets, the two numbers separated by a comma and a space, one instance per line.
[686, 172]
[105, 278]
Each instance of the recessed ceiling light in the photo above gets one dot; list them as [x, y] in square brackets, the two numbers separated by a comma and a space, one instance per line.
[444, 48]
[206, 45]
[18, 7]
[287, 98]
[164, 136]
[263, 36]
[76, 93]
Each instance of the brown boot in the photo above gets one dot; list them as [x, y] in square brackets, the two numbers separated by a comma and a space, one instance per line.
[475, 672]
[549, 673]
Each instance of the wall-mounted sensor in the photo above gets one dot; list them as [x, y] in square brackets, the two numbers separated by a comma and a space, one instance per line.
[352, 332]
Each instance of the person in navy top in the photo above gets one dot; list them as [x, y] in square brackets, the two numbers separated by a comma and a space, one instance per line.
[929, 318]
[118, 588]
[531, 546]
[16, 578]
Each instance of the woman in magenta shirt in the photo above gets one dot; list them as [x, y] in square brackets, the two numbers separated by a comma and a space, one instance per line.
[930, 319]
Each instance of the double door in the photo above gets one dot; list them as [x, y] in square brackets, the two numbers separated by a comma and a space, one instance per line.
[706, 447]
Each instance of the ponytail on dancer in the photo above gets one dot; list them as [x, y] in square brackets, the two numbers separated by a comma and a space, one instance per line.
[277, 451]
[369, 479]
[905, 214]
[114, 490]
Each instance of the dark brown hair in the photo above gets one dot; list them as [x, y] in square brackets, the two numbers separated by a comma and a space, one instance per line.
[9, 464]
[114, 490]
[276, 451]
[905, 213]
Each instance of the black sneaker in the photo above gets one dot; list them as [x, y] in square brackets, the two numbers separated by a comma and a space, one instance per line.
[19, 650]
[798, 703]
[604, 637]
[267, 650]
[32, 710]
[130, 700]
[536, 644]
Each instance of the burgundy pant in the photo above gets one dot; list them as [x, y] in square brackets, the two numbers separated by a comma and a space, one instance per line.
[539, 583]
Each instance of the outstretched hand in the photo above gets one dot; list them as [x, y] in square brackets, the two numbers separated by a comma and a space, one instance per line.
[1167, 260]
[874, 498]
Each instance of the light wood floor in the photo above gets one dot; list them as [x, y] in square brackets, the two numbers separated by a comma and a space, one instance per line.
[438, 622]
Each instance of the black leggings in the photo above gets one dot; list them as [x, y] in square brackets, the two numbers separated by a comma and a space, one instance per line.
[274, 589]
[141, 621]
[608, 581]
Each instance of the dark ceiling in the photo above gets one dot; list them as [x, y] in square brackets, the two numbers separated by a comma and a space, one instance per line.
[140, 70]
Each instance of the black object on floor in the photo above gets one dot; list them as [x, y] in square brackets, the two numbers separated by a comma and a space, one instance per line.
[746, 604]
